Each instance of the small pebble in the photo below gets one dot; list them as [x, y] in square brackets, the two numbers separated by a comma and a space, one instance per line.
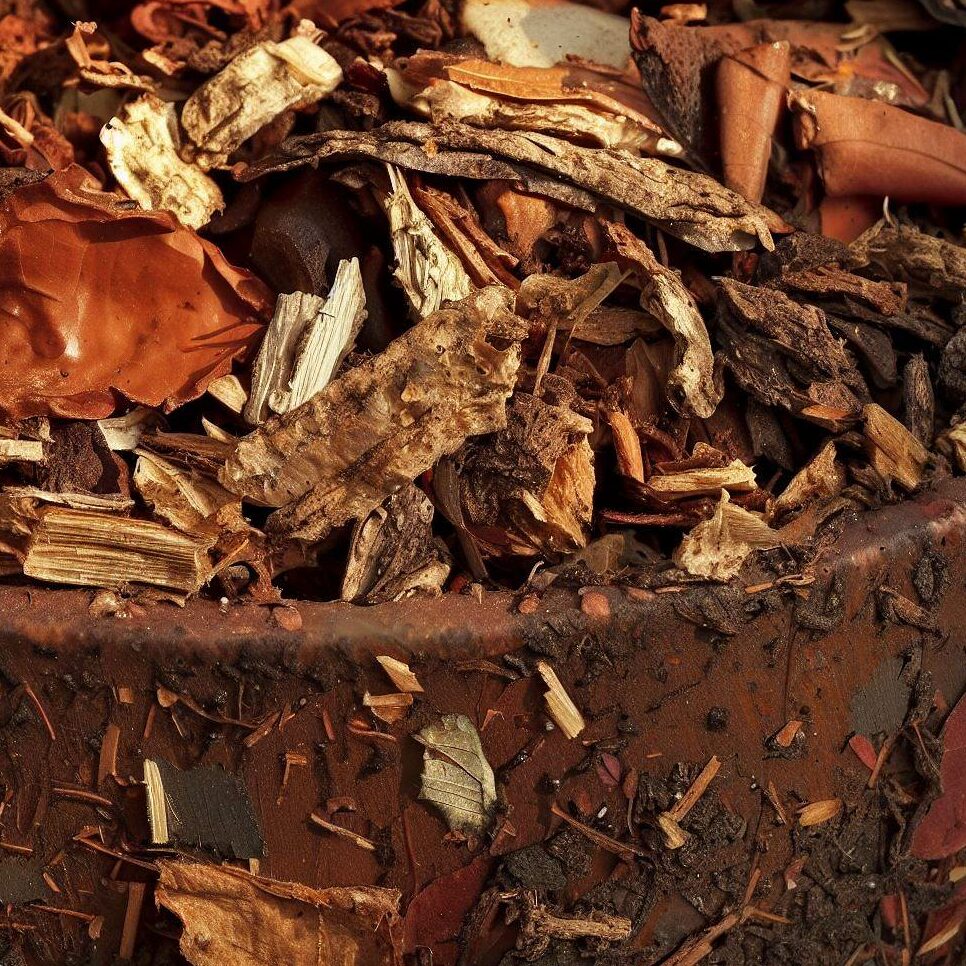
[288, 618]
[529, 604]
[595, 604]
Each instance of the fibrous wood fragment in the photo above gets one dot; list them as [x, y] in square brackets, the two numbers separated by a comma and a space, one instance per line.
[305, 343]
[383, 423]
[736, 477]
[104, 550]
[688, 205]
[429, 273]
[400, 674]
[252, 90]
[142, 145]
[559, 703]
[892, 449]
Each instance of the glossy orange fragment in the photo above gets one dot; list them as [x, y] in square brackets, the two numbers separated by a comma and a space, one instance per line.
[99, 302]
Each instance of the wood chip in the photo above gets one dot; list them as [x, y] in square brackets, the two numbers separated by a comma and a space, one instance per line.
[400, 674]
[560, 705]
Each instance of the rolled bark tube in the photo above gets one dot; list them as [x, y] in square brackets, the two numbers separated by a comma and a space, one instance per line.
[750, 89]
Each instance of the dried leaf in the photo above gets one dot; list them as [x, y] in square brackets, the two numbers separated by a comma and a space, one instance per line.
[559, 704]
[92, 549]
[393, 553]
[231, 916]
[252, 90]
[70, 258]
[390, 419]
[456, 777]
[142, 150]
[429, 273]
[685, 204]
[305, 344]
[718, 547]
[942, 831]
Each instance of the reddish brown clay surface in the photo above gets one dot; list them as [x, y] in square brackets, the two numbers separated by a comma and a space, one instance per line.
[676, 677]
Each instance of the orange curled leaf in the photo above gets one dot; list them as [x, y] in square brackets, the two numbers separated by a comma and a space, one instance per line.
[98, 299]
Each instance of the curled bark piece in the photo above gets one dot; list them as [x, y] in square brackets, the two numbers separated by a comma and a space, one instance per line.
[142, 150]
[751, 88]
[930, 265]
[691, 387]
[689, 206]
[97, 298]
[254, 88]
[428, 272]
[383, 423]
[870, 148]
[783, 353]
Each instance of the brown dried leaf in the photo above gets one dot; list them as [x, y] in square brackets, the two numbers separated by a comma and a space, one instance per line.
[685, 204]
[386, 421]
[233, 917]
[718, 547]
[70, 258]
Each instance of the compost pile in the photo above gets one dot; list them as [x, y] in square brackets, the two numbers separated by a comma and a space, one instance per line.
[361, 299]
